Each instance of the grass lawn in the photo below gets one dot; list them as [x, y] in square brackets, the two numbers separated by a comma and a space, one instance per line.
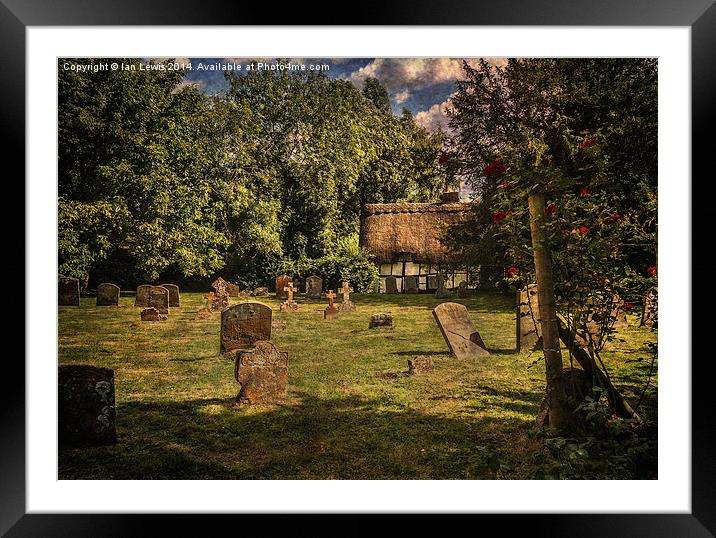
[351, 411]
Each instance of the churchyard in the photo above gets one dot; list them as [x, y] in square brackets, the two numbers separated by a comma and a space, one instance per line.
[351, 409]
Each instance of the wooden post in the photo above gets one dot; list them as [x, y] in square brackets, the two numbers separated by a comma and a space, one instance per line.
[559, 415]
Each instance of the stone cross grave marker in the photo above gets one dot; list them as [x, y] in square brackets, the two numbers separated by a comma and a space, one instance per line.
[262, 373]
[289, 305]
[220, 299]
[244, 324]
[331, 312]
[529, 329]
[107, 294]
[459, 332]
[68, 291]
[314, 287]
[86, 413]
[391, 285]
[173, 294]
[347, 305]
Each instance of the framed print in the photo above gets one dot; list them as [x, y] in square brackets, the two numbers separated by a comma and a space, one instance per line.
[411, 265]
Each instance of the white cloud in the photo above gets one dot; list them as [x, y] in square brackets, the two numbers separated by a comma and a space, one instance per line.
[435, 117]
[401, 97]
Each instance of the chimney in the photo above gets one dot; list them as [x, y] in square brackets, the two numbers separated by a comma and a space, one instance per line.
[449, 197]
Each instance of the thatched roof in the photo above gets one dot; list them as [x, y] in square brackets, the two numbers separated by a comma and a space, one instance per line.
[389, 229]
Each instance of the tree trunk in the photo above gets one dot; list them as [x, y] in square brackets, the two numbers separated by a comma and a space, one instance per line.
[559, 416]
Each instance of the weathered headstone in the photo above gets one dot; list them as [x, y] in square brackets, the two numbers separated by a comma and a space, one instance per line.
[391, 285]
[529, 329]
[142, 298]
[459, 332]
[462, 289]
[262, 373]
[152, 314]
[220, 299]
[261, 292]
[314, 287]
[243, 325]
[173, 294]
[442, 292]
[159, 299]
[68, 291]
[232, 290]
[410, 284]
[107, 294]
[619, 313]
[331, 312]
[289, 305]
[420, 365]
[380, 319]
[347, 305]
[86, 413]
[281, 283]
[650, 311]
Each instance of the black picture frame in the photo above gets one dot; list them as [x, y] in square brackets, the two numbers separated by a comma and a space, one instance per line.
[699, 15]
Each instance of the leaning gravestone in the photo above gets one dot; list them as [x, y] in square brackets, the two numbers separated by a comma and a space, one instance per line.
[159, 299]
[460, 334]
[391, 285]
[142, 298]
[86, 414]
[173, 290]
[529, 329]
[410, 284]
[262, 373]
[243, 325]
[281, 283]
[107, 295]
[314, 287]
[68, 291]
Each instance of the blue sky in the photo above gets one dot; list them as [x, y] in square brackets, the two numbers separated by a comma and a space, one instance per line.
[423, 85]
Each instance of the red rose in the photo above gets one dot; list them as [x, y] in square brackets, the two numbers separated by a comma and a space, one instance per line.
[497, 216]
[589, 142]
[512, 271]
[583, 192]
[651, 271]
[551, 209]
[628, 306]
[494, 169]
[583, 230]
[616, 217]
[444, 157]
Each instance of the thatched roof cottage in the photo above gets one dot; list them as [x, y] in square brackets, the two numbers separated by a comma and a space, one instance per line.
[405, 240]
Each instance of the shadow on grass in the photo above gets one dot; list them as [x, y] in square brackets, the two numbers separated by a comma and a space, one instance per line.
[344, 438]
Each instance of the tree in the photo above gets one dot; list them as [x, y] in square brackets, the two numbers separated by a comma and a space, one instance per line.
[376, 93]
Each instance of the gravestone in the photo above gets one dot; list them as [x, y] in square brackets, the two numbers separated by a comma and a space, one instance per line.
[281, 283]
[462, 289]
[347, 305]
[380, 319]
[173, 290]
[442, 292]
[261, 292]
[107, 295]
[459, 332]
[68, 291]
[529, 329]
[410, 284]
[432, 282]
[618, 312]
[650, 311]
[262, 373]
[232, 290]
[243, 325]
[391, 285]
[159, 299]
[86, 413]
[314, 287]
[220, 299]
[331, 312]
[420, 365]
[152, 314]
[142, 298]
[289, 305]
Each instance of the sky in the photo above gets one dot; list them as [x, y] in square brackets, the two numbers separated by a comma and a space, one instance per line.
[422, 85]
